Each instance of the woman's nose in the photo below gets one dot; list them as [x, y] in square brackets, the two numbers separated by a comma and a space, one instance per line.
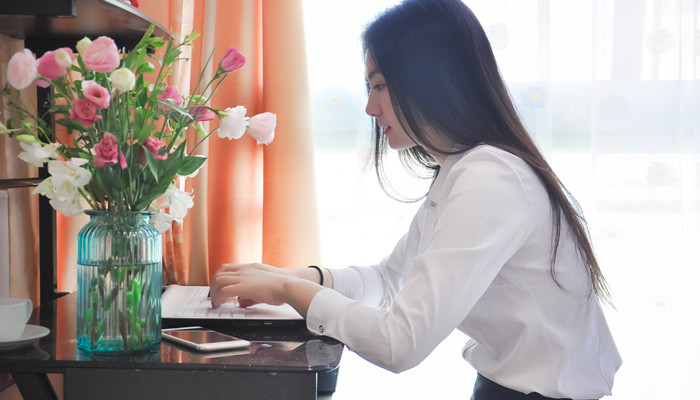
[372, 109]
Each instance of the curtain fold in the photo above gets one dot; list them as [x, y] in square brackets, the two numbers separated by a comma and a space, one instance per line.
[253, 203]
[290, 226]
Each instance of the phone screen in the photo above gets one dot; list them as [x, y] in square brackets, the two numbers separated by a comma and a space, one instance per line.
[205, 339]
[201, 337]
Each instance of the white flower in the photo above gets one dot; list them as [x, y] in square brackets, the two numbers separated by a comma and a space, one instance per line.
[123, 79]
[63, 187]
[52, 149]
[45, 188]
[68, 177]
[178, 201]
[69, 206]
[63, 58]
[262, 127]
[233, 124]
[162, 221]
[82, 45]
[36, 154]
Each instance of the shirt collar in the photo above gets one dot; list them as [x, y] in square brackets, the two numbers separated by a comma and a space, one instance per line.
[438, 186]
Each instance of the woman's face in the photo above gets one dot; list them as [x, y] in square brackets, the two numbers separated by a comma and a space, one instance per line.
[379, 106]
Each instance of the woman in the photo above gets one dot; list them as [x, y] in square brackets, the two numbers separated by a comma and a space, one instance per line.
[498, 249]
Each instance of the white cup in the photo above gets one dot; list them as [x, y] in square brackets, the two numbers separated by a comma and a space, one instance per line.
[14, 314]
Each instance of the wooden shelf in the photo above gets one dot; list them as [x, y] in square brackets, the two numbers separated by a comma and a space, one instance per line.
[67, 21]
[19, 183]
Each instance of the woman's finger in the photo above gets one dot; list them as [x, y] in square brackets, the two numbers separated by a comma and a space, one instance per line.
[246, 302]
[223, 288]
[230, 268]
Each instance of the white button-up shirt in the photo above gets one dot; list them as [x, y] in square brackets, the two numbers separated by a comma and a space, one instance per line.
[477, 258]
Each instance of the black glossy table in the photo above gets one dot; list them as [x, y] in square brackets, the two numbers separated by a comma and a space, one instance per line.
[282, 363]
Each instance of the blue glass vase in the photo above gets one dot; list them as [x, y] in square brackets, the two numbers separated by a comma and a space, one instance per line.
[119, 283]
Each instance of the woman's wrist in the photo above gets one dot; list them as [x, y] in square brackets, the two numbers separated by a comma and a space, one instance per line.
[298, 293]
[319, 270]
[304, 273]
[312, 274]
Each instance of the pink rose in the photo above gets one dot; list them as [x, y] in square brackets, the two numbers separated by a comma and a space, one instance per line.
[232, 60]
[152, 144]
[98, 95]
[107, 152]
[262, 127]
[201, 113]
[21, 69]
[83, 110]
[102, 55]
[48, 66]
[170, 94]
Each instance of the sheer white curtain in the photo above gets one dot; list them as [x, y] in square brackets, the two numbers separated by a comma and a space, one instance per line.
[610, 89]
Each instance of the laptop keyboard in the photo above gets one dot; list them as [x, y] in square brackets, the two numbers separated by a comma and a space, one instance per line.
[198, 305]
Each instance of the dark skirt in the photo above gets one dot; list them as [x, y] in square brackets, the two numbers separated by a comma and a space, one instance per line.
[486, 389]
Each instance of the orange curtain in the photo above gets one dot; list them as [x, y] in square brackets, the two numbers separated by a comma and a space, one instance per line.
[253, 203]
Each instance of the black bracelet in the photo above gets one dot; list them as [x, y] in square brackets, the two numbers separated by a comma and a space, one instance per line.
[319, 272]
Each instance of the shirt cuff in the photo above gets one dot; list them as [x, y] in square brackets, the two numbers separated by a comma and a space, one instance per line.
[324, 310]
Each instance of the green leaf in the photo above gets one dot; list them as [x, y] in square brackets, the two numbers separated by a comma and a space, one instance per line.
[70, 124]
[145, 67]
[143, 97]
[192, 37]
[157, 41]
[179, 110]
[143, 133]
[152, 163]
[190, 164]
[59, 108]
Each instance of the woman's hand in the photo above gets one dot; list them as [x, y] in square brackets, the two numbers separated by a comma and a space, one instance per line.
[251, 283]
[260, 283]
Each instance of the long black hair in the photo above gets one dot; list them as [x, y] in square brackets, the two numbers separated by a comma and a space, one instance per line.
[441, 74]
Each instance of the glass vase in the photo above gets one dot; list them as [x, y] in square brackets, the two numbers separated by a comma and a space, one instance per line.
[119, 283]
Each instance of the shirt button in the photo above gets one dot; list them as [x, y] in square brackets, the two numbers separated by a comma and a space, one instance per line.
[433, 204]
[320, 328]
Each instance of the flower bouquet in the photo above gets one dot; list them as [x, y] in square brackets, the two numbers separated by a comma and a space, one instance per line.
[125, 155]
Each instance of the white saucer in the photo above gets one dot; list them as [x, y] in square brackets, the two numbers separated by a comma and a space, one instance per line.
[30, 334]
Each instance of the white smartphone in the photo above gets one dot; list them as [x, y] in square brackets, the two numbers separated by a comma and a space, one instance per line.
[205, 339]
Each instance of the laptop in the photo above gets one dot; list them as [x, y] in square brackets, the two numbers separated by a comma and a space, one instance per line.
[182, 305]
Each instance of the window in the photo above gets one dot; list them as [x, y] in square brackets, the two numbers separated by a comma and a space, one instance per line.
[610, 90]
